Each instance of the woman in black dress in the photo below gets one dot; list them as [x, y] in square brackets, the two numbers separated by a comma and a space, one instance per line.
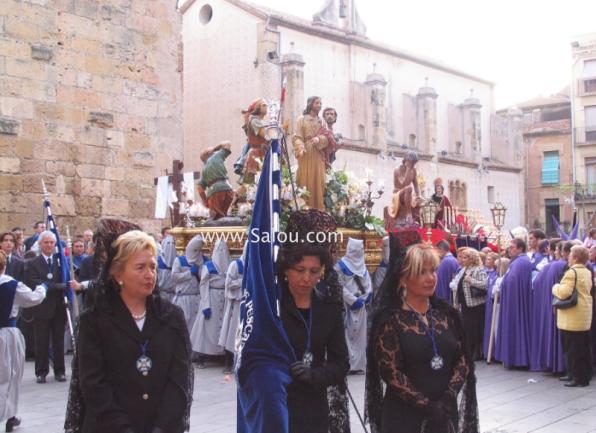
[312, 316]
[133, 369]
[417, 348]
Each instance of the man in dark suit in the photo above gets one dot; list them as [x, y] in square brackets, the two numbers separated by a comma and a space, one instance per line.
[49, 317]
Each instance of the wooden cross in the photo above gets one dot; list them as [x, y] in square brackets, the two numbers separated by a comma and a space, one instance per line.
[176, 179]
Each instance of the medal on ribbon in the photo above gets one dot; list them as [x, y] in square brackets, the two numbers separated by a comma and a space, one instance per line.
[144, 363]
[307, 358]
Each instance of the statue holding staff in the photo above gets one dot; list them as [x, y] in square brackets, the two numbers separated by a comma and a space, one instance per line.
[308, 142]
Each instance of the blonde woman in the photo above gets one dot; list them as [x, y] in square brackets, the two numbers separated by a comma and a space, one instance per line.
[470, 287]
[133, 348]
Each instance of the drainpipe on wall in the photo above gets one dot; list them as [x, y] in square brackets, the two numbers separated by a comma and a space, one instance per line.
[573, 139]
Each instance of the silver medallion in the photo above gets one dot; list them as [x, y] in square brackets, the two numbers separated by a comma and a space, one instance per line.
[50, 276]
[307, 358]
[144, 364]
[436, 363]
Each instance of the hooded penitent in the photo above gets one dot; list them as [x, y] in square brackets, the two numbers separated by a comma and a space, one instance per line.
[354, 258]
[194, 250]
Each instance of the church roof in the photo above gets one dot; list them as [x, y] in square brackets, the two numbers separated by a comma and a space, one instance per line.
[335, 33]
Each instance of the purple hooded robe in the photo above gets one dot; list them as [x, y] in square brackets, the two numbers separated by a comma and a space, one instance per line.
[512, 346]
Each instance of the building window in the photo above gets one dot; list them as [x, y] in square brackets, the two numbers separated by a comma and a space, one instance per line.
[550, 168]
[590, 164]
[361, 132]
[490, 190]
[412, 141]
[205, 14]
[589, 69]
[551, 209]
[590, 118]
[458, 147]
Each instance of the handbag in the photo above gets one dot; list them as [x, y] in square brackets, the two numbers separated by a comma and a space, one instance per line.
[477, 292]
[571, 301]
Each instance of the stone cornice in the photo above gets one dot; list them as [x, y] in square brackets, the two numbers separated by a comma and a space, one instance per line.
[358, 146]
[458, 161]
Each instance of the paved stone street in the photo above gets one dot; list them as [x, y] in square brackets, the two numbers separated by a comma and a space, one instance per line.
[510, 402]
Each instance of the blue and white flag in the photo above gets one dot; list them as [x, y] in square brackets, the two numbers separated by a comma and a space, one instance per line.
[264, 353]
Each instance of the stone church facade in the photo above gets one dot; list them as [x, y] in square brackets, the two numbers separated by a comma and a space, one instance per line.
[90, 101]
[388, 101]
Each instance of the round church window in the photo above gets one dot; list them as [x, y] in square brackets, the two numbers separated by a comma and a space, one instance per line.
[205, 14]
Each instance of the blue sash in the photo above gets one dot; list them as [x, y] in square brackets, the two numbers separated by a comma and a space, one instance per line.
[184, 262]
[344, 269]
[7, 294]
[161, 264]
[211, 267]
[240, 266]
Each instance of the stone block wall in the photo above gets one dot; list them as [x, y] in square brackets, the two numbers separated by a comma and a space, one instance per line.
[90, 101]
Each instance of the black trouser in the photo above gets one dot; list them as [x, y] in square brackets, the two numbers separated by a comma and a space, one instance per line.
[44, 330]
[577, 347]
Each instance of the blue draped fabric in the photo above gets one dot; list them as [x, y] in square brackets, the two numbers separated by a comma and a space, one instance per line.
[265, 352]
[512, 346]
[448, 268]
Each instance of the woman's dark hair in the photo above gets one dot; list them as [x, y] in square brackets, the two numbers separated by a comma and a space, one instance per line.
[543, 246]
[553, 244]
[300, 225]
[293, 253]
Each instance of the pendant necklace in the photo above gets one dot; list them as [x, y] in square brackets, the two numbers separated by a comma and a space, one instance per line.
[308, 357]
[144, 363]
[437, 362]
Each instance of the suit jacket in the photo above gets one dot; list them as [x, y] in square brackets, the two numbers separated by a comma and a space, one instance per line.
[36, 271]
[115, 394]
[15, 268]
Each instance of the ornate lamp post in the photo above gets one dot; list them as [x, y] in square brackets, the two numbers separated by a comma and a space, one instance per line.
[428, 212]
[498, 211]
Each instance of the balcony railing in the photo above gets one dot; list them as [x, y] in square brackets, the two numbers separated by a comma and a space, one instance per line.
[585, 135]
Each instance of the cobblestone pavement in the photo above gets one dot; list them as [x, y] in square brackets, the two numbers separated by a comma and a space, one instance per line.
[510, 402]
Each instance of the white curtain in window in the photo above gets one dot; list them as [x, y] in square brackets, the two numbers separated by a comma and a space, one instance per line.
[589, 69]
[590, 112]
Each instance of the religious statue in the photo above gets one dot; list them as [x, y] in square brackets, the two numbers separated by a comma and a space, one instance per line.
[404, 208]
[214, 188]
[308, 142]
[328, 153]
[441, 200]
[258, 143]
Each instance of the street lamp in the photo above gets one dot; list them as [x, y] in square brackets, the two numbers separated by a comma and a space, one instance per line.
[428, 214]
[499, 211]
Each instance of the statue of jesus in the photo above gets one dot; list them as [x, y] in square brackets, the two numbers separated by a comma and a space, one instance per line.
[308, 142]
[405, 182]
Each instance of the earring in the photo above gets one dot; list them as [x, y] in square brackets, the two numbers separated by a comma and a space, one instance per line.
[121, 283]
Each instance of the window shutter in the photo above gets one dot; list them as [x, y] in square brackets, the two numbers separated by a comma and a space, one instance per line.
[550, 168]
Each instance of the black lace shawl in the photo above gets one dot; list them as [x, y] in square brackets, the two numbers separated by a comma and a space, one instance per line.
[98, 294]
[387, 302]
[75, 409]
